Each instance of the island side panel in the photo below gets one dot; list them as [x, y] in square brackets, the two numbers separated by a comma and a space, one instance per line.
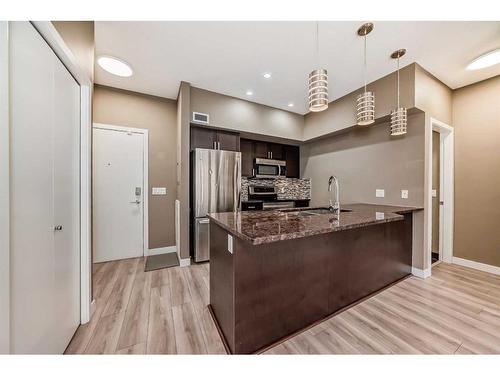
[280, 288]
[369, 259]
[222, 282]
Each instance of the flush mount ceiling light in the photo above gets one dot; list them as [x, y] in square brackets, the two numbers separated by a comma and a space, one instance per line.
[267, 75]
[484, 61]
[249, 92]
[115, 66]
[399, 118]
[318, 83]
[290, 104]
[365, 102]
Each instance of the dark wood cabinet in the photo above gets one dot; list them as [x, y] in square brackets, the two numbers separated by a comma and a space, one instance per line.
[251, 149]
[260, 149]
[292, 158]
[246, 148]
[276, 151]
[214, 139]
[228, 141]
[203, 138]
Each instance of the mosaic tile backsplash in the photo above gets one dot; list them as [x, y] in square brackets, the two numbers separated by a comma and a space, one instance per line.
[288, 188]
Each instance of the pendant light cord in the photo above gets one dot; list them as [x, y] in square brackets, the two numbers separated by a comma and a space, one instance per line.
[398, 81]
[364, 73]
[317, 43]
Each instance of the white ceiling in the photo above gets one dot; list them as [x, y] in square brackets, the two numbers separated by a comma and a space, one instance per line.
[230, 57]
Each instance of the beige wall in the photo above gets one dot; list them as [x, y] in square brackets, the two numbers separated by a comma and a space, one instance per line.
[158, 115]
[341, 114]
[241, 115]
[432, 95]
[365, 159]
[183, 117]
[476, 119]
[79, 37]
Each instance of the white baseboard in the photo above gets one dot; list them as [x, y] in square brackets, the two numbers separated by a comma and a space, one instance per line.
[476, 265]
[162, 250]
[184, 262]
[92, 307]
[423, 274]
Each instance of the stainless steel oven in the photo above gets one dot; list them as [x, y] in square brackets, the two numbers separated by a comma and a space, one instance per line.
[269, 168]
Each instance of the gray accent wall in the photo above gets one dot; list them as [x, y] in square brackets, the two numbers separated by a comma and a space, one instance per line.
[240, 115]
[366, 159]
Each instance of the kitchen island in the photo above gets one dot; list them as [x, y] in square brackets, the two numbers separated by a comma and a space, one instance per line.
[274, 273]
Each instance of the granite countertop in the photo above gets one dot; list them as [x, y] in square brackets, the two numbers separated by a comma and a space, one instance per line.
[260, 227]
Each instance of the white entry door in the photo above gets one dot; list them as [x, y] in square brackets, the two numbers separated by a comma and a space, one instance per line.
[119, 183]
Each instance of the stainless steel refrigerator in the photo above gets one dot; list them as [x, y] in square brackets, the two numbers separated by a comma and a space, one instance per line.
[216, 188]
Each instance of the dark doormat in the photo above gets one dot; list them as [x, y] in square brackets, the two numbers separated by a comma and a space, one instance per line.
[156, 262]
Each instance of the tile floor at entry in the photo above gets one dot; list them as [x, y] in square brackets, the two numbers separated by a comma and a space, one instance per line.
[456, 310]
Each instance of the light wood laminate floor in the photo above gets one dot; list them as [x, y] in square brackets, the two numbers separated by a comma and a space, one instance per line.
[456, 310]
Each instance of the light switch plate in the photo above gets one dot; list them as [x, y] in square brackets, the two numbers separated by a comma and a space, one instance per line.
[380, 193]
[404, 194]
[434, 193]
[230, 243]
[159, 191]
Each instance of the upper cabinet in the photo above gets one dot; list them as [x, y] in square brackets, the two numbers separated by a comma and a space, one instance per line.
[251, 149]
[202, 137]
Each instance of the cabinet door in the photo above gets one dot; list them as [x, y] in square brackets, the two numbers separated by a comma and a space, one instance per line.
[292, 157]
[203, 138]
[276, 151]
[228, 141]
[261, 149]
[246, 148]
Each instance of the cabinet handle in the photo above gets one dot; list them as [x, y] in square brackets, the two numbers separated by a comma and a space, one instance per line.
[271, 154]
[218, 145]
[58, 227]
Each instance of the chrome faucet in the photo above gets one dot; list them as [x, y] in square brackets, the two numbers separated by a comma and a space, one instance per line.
[334, 203]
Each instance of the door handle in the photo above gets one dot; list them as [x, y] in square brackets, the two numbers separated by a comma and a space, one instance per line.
[137, 201]
[58, 228]
[441, 203]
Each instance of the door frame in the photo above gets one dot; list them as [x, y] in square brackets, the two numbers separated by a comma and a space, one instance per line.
[446, 193]
[145, 175]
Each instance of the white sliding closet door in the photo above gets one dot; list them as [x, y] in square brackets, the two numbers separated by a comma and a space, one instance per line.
[45, 290]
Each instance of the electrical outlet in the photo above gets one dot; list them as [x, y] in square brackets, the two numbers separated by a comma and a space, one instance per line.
[159, 191]
[379, 193]
[230, 243]
[404, 194]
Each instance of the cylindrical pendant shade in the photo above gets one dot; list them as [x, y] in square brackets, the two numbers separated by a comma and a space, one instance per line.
[318, 90]
[399, 121]
[365, 108]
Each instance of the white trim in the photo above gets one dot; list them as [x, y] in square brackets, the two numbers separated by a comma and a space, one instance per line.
[4, 191]
[145, 169]
[184, 262]
[161, 250]
[476, 265]
[423, 274]
[54, 40]
[446, 191]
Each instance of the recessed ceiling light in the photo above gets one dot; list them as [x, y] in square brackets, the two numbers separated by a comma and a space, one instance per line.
[486, 60]
[115, 66]
[267, 75]
[249, 92]
[290, 104]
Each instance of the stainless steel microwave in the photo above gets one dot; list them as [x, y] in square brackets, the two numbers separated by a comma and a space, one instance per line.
[269, 168]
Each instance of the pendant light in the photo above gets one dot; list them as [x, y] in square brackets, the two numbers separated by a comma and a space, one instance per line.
[318, 84]
[365, 103]
[399, 118]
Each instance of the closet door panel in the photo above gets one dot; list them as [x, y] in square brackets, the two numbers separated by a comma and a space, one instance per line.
[66, 137]
[32, 234]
